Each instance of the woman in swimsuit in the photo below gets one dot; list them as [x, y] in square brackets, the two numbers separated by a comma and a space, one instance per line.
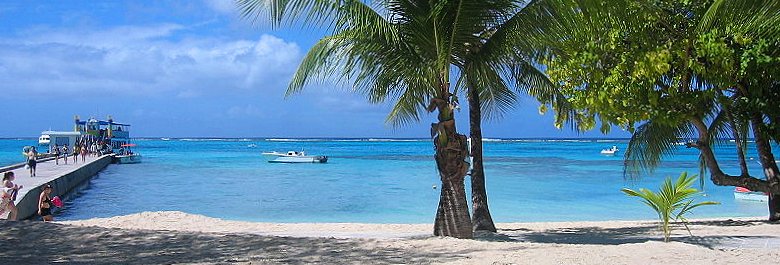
[83, 152]
[9, 195]
[44, 204]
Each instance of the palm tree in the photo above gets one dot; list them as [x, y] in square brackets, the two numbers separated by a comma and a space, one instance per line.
[503, 59]
[406, 52]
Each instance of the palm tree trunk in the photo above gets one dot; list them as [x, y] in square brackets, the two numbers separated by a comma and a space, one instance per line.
[452, 216]
[479, 200]
[768, 164]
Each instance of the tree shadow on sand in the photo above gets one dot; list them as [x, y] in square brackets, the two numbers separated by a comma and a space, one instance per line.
[577, 235]
[27, 242]
[629, 235]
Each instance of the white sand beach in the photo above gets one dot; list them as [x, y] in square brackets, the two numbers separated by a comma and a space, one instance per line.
[181, 238]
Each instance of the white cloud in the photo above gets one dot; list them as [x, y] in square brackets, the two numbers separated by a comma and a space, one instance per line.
[222, 6]
[143, 61]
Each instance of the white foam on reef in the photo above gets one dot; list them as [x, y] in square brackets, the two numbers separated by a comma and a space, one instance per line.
[291, 140]
[393, 140]
[215, 139]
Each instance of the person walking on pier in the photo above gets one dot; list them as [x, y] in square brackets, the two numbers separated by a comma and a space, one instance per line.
[65, 153]
[9, 195]
[32, 155]
[56, 152]
[84, 152]
[44, 204]
[76, 151]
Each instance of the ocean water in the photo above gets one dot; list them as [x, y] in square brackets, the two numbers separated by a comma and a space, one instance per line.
[380, 181]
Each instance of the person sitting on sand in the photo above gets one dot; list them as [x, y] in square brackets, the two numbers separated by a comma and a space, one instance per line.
[9, 195]
[44, 204]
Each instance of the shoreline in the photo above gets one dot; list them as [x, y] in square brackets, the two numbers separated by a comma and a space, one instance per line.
[182, 221]
[177, 237]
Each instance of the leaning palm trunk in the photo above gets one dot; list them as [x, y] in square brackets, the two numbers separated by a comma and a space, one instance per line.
[452, 216]
[482, 220]
[768, 164]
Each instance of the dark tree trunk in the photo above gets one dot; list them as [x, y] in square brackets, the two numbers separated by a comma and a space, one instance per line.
[768, 164]
[772, 183]
[452, 216]
[479, 200]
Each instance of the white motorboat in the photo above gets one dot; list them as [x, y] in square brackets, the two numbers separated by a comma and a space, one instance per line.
[610, 151]
[293, 157]
[126, 156]
[128, 159]
[45, 139]
[744, 194]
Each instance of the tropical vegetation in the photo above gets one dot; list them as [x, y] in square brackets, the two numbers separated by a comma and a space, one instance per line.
[665, 70]
[672, 201]
[406, 52]
[698, 71]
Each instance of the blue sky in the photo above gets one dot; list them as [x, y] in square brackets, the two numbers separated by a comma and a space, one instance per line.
[188, 69]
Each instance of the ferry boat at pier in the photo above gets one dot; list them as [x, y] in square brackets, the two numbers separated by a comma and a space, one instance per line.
[115, 136]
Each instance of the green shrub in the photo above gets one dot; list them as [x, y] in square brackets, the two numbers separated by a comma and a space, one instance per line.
[672, 202]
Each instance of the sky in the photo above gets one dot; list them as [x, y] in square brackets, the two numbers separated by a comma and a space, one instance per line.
[191, 68]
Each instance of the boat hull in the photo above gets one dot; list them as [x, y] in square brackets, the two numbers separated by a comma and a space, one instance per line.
[751, 196]
[299, 159]
[128, 159]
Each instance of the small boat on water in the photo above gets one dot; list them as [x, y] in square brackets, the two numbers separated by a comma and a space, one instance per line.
[127, 156]
[610, 151]
[293, 157]
[45, 139]
[745, 194]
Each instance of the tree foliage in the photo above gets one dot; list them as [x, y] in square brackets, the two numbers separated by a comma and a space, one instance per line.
[697, 71]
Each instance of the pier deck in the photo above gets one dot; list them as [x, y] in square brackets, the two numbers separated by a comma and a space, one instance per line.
[63, 177]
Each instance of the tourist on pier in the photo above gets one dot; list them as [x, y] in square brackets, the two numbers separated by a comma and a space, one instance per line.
[84, 152]
[44, 204]
[32, 155]
[76, 151]
[56, 152]
[8, 194]
[65, 153]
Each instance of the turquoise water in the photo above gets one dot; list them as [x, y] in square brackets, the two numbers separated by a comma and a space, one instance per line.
[378, 181]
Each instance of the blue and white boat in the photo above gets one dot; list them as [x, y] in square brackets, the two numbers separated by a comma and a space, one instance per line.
[741, 193]
[293, 157]
[610, 151]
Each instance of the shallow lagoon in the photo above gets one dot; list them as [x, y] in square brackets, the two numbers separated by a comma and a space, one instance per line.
[379, 181]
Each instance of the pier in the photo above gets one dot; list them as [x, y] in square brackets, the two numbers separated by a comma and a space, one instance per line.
[62, 177]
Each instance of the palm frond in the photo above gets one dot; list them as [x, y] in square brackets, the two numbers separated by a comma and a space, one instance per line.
[315, 12]
[755, 17]
[650, 142]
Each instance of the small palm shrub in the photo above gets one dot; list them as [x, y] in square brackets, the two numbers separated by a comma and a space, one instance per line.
[672, 202]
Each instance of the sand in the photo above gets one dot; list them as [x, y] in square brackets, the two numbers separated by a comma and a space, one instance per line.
[181, 238]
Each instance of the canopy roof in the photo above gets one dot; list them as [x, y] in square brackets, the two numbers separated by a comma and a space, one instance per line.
[99, 122]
